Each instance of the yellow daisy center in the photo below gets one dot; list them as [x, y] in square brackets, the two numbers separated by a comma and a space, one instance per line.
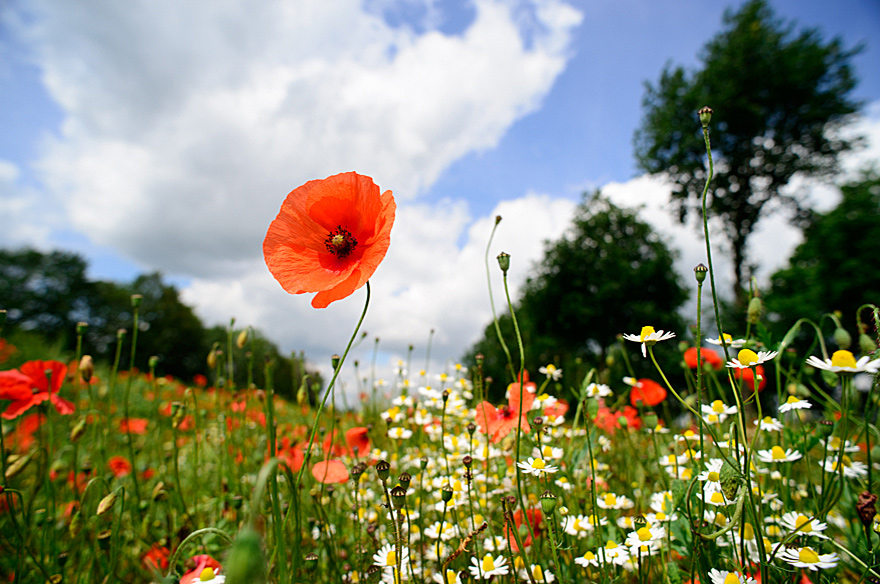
[748, 531]
[392, 558]
[843, 359]
[803, 523]
[747, 357]
[713, 476]
[451, 576]
[768, 420]
[808, 556]
[538, 463]
[732, 578]
[206, 575]
[547, 451]
[646, 332]
[538, 573]
[792, 400]
[644, 534]
[488, 563]
[718, 405]
[610, 500]
[720, 519]
[717, 497]
[610, 545]
[589, 556]
[712, 418]
[728, 338]
[661, 516]
[777, 453]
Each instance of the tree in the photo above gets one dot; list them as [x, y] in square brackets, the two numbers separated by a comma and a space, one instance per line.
[837, 267]
[611, 273]
[45, 293]
[779, 99]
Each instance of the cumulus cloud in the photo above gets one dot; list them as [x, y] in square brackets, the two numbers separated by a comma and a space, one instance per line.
[187, 123]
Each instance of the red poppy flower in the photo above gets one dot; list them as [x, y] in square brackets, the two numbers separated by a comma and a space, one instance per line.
[499, 422]
[29, 386]
[708, 355]
[201, 561]
[749, 379]
[330, 236]
[133, 425]
[535, 518]
[330, 471]
[358, 438]
[648, 392]
[6, 350]
[156, 558]
[119, 466]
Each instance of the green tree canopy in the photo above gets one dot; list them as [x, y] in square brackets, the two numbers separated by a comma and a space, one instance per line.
[610, 274]
[779, 98]
[837, 267]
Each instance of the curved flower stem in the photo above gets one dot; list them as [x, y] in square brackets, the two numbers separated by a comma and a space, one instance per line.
[191, 536]
[492, 300]
[314, 431]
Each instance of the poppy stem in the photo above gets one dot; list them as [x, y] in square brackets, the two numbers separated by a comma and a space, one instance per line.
[492, 300]
[330, 388]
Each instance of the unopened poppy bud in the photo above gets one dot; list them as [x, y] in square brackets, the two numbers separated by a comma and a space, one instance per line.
[398, 497]
[446, 493]
[383, 469]
[241, 339]
[159, 493]
[212, 359]
[136, 300]
[78, 430]
[497, 219]
[700, 273]
[153, 361]
[404, 479]
[81, 328]
[866, 344]
[245, 563]
[538, 422]
[106, 504]
[17, 465]
[705, 116]
[504, 262]
[120, 334]
[651, 420]
[842, 338]
[548, 502]
[756, 308]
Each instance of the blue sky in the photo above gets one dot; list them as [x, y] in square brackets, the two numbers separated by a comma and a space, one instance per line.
[164, 135]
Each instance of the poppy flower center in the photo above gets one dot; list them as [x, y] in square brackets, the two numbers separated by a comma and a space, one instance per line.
[505, 412]
[340, 242]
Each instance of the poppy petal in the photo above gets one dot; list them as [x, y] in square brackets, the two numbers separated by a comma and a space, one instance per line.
[330, 471]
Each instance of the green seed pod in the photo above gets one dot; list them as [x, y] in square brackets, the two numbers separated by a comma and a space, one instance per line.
[705, 116]
[398, 497]
[383, 469]
[756, 308]
[548, 502]
[504, 261]
[842, 338]
[729, 479]
[866, 344]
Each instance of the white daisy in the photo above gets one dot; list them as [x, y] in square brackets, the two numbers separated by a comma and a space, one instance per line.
[399, 433]
[551, 372]
[725, 577]
[488, 567]
[794, 403]
[598, 390]
[210, 576]
[538, 574]
[807, 557]
[386, 557]
[748, 358]
[777, 454]
[845, 362]
[536, 466]
[612, 501]
[769, 424]
[648, 336]
[794, 521]
[852, 469]
[729, 341]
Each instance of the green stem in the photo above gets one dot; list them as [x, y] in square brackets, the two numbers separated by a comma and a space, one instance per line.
[492, 299]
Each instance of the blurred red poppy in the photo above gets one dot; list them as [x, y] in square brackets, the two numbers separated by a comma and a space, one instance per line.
[156, 558]
[119, 466]
[708, 355]
[133, 425]
[748, 378]
[330, 236]
[29, 386]
[499, 422]
[330, 471]
[648, 392]
[358, 440]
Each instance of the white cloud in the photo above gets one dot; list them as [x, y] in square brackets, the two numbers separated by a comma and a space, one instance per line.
[187, 123]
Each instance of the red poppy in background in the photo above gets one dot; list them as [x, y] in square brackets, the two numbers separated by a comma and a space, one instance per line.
[648, 392]
[22, 437]
[330, 471]
[330, 236]
[119, 466]
[534, 517]
[749, 379]
[708, 355]
[558, 409]
[358, 440]
[499, 422]
[6, 350]
[29, 385]
[133, 425]
[156, 558]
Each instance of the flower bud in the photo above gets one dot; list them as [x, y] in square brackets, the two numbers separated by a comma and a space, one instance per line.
[423, 462]
[136, 300]
[700, 273]
[81, 328]
[311, 562]
[651, 420]
[242, 338]
[467, 460]
[78, 430]
[866, 508]
[120, 334]
[334, 361]
[153, 362]
[705, 116]
[106, 504]
[842, 338]
[104, 539]
[756, 308]
[504, 262]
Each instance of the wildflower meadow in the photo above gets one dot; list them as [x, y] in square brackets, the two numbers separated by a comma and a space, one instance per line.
[759, 466]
